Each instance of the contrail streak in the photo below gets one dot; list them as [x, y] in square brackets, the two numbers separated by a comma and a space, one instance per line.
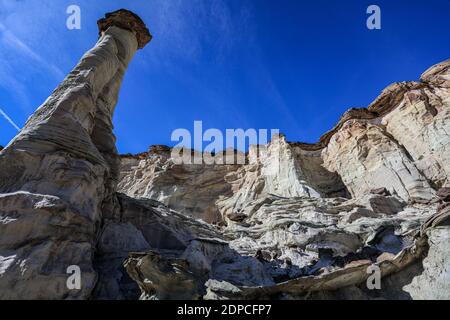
[17, 44]
[9, 119]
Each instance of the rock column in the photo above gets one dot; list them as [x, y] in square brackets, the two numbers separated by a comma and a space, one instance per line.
[58, 176]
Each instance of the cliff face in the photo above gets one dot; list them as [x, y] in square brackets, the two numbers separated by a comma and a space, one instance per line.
[295, 221]
[400, 142]
[316, 216]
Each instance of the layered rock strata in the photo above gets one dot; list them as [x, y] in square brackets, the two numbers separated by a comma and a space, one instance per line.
[314, 217]
[295, 221]
[400, 142]
[303, 248]
[59, 174]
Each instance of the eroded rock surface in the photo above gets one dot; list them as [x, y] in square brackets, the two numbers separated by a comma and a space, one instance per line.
[59, 174]
[314, 218]
[399, 143]
[292, 221]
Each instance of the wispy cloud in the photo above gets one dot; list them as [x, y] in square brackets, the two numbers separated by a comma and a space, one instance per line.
[12, 41]
[194, 31]
[9, 119]
[29, 56]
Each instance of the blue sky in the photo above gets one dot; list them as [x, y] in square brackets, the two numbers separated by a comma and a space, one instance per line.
[288, 64]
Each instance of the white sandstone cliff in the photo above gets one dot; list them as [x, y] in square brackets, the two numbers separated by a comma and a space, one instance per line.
[296, 221]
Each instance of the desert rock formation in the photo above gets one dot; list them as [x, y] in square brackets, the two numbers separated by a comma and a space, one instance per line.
[295, 221]
[59, 174]
[308, 220]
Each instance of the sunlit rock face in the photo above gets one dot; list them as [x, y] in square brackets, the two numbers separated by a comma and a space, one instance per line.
[293, 221]
[421, 125]
[213, 192]
[316, 216]
[58, 176]
[190, 189]
[400, 143]
[366, 158]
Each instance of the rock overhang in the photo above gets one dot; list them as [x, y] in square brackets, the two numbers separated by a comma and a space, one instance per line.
[128, 20]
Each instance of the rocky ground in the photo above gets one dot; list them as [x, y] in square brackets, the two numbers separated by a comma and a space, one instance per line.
[294, 221]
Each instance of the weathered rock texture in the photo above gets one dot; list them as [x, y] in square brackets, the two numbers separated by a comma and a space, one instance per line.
[58, 176]
[307, 220]
[400, 142]
[294, 221]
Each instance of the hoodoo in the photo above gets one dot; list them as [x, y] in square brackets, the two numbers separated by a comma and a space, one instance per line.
[298, 221]
[58, 176]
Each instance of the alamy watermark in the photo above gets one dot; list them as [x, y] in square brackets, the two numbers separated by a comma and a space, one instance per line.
[222, 147]
[74, 280]
[73, 21]
[374, 20]
[374, 280]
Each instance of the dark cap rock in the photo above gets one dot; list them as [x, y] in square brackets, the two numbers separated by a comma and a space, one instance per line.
[128, 20]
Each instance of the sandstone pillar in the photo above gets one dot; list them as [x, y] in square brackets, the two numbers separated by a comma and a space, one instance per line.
[59, 175]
